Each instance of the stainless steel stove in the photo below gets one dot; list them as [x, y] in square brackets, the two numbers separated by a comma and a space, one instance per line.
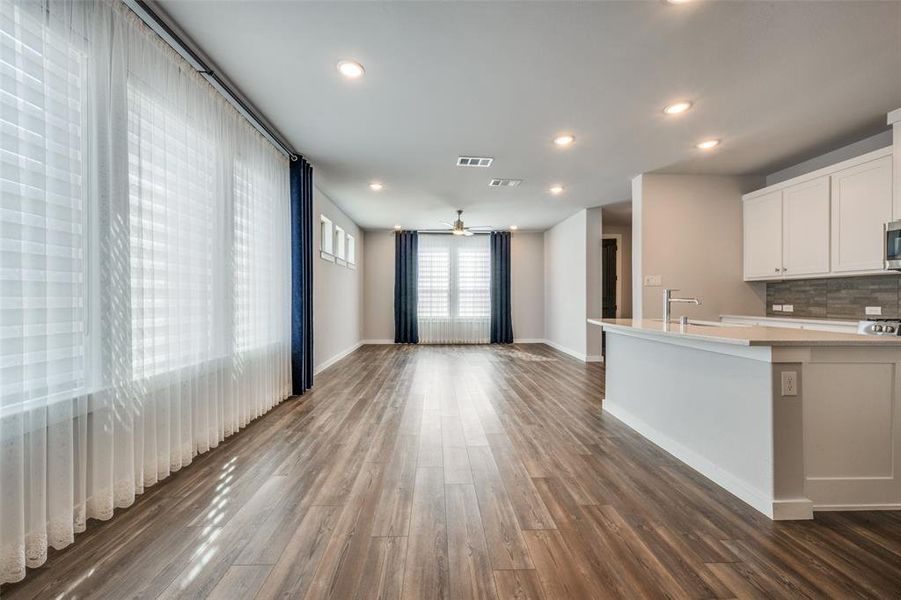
[879, 327]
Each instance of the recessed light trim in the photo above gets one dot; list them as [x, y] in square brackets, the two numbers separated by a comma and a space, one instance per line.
[514, 227]
[708, 144]
[564, 139]
[677, 108]
[556, 189]
[351, 69]
[376, 186]
[397, 228]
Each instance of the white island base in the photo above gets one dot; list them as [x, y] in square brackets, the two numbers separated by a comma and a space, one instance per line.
[712, 397]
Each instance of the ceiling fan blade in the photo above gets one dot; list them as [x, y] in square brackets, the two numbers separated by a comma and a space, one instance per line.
[448, 224]
[481, 227]
[467, 232]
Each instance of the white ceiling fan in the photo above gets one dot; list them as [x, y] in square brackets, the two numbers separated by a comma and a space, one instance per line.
[458, 228]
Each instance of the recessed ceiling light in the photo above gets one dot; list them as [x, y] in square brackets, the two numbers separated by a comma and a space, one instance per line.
[678, 1]
[513, 227]
[397, 227]
[708, 144]
[556, 189]
[375, 186]
[677, 107]
[351, 69]
[564, 139]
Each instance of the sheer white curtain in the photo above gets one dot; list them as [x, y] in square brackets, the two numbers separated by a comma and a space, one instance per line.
[454, 289]
[144, 270]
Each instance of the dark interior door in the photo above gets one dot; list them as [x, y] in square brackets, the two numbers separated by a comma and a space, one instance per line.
[608, 275]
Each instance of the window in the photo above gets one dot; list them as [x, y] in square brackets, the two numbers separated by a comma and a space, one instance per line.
[351, 251]
[474, 282]
[433, 283]
[256, 255]
[454, 288]
[171, 173]
[43, 216]
[339, 244]
[326, 249]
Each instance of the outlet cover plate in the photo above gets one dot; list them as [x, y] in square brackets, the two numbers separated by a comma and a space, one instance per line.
[789, 383]
[875, 311]
[788, 308]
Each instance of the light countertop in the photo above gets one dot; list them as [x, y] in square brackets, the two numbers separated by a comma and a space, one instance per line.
[743, 335]
[789, 318]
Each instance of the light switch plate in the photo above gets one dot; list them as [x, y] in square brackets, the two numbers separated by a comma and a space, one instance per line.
[875, 311]
[652, 280]
[788, 308]
[777, 308]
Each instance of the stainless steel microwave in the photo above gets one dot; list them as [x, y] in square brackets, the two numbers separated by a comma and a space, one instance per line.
[892, 240]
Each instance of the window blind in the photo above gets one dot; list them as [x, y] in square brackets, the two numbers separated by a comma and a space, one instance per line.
[42, 212]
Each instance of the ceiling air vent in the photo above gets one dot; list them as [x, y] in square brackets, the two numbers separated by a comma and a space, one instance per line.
[504, 182]
[474, 161]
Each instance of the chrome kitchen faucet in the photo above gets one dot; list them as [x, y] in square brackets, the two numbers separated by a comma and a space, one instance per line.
[668, 300]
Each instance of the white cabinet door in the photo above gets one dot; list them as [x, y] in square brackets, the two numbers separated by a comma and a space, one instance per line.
[805, 228]
[861, 205]
[763, 236]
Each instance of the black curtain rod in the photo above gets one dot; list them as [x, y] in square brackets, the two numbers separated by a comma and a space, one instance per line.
[161, 27]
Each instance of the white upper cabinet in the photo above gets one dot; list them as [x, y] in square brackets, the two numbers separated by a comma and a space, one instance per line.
[861, 205]
[805, 228]
[763, 236]
[828, 223]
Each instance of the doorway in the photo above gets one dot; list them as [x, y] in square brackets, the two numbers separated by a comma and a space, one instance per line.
[610, 277]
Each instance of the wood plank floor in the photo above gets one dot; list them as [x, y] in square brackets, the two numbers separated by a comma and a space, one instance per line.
[458, 472]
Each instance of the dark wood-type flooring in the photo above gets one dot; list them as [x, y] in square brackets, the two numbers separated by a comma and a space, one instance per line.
[458, 472]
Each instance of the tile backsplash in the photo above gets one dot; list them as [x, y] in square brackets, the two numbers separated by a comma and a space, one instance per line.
[840, 298]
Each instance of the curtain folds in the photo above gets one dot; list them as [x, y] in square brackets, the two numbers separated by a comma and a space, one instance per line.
[406, 325]
[301, 275]
[145, 245]
[501, 314]
[454, 289]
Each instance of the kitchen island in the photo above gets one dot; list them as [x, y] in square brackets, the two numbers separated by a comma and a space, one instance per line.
[788, 420]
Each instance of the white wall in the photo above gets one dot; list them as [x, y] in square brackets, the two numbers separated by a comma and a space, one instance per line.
[594, 276]
[688, 230]
[378, 287]
[527, 285]
[875, 142]
[337, 291]
[526, 282]
[566, 284]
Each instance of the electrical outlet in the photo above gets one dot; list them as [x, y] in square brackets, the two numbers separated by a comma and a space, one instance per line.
[875, 311]
[652, 280]
[777, 308]
[788, 308]
[789, 383]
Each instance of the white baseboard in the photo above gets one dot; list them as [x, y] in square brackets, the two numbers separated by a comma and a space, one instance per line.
[326, 364]
[792, 510]
[835, 507]
[594, 358]
[701, 464]
[566, 350]
[376, 342]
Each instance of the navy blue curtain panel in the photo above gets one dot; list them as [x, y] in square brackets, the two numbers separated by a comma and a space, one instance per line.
[406, 271]
[501, 315]
[301, 275]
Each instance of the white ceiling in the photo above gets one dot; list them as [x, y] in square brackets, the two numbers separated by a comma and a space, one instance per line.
[778, 81]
